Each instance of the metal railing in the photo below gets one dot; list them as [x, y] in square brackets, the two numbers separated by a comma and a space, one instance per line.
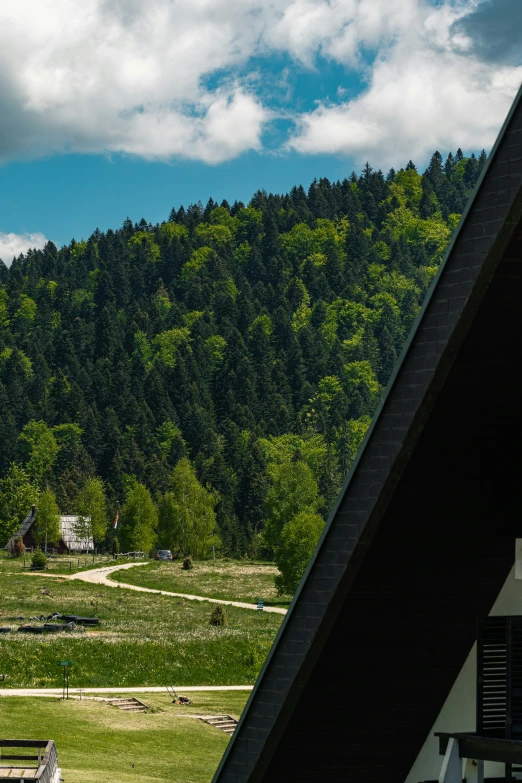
[46, 766]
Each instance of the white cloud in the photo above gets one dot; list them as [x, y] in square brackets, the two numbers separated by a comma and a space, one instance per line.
[425, 92]
[133, 77]
[338, 29]
[12, 245]
[107, 75]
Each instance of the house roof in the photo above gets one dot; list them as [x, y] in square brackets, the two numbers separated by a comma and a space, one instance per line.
[26, 525]
[70, 537]
[24, 528]
[420, 539]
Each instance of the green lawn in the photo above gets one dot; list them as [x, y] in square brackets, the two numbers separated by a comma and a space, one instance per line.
[143, 639]
[231, 580]
[97, 742]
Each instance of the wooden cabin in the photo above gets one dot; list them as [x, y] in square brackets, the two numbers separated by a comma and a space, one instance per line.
[69, 541]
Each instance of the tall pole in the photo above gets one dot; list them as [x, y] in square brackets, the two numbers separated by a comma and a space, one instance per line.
[115, 525]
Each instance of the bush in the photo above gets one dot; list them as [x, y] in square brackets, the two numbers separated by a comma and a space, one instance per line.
[187, 563]
[38, 559]
[17, 548]
[218, 616]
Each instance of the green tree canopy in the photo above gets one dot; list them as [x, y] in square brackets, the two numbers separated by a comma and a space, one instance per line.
[139, 520]
[46, 529]
[39, 449]
[92, 510]
[187, 519]
[293, 491]
[296, 545]
[17, 495]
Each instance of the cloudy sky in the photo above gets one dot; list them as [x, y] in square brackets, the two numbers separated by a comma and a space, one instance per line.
[115, 108]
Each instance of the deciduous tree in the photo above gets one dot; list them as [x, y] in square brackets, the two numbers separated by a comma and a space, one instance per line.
[139, 520]
[294, 490]
[187, 519]
[92, 508]
[295, 547]
[46, 529]
[17, 495]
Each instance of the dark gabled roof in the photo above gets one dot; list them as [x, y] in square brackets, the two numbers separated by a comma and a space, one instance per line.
[24, 528]
[420, 540]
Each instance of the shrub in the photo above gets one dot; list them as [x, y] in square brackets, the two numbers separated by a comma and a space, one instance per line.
[218, 616]
[187, 563]
[38, 559]
[253, 657]
[17, 548]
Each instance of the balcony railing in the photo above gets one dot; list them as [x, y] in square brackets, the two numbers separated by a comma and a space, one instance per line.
[41, 765]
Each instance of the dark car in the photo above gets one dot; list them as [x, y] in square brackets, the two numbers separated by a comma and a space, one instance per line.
[164, 554]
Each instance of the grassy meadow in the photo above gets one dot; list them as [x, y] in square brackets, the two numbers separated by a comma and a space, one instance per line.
[142, 639]
[231, 580]
[97, 742]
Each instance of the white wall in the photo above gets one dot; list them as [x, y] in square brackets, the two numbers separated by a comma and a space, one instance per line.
[458, 712]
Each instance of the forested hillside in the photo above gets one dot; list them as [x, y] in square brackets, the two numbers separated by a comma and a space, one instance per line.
[234, 342]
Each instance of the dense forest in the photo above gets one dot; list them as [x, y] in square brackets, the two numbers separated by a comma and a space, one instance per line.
[238, 350]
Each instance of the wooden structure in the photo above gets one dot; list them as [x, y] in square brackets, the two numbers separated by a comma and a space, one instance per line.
[132, 704]
[422, 537]
[224, 723]
[41, 764]
[475, 750]
[70, 540]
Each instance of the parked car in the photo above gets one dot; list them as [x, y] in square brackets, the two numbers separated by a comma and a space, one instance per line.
[164, 554]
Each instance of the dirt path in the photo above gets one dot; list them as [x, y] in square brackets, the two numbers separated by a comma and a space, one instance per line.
[100, 576]
[142, 689]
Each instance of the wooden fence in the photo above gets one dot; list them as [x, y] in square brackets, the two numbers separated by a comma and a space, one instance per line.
[84, 561]
[42, 767]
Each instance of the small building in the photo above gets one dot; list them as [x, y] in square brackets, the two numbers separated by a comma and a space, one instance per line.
[70, 539]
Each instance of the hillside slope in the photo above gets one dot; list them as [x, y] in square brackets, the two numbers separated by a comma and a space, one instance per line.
[220, 331]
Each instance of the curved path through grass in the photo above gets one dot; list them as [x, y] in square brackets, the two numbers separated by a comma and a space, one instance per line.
[101, 576]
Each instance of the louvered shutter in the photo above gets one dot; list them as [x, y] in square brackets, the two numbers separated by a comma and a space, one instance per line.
[499, 677]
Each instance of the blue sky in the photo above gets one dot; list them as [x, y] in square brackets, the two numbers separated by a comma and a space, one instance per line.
[116, 108]
[70, 197]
